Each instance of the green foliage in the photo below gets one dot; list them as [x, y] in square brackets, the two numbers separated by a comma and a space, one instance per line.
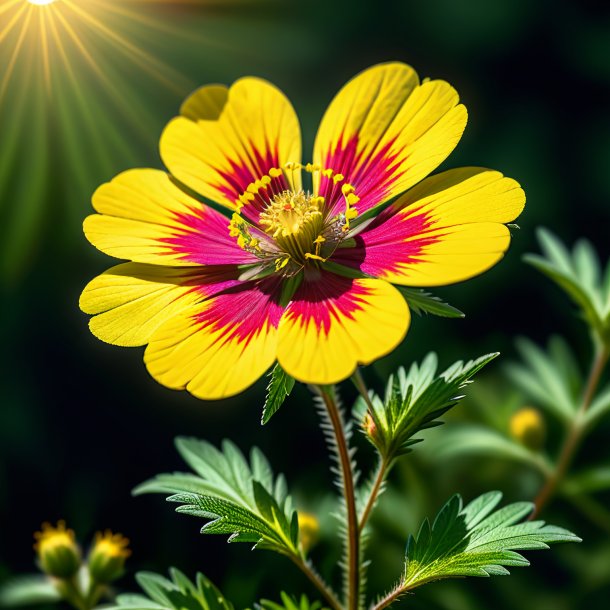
[476, 439]
[580, 275]
[236, 498]
[28, 590]
[279, 388]
[550, 378]
[414, 401]
[421, 301]
[290, 603]
[175, 593]
[476, 540]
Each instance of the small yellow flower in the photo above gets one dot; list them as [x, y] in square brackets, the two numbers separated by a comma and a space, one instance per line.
[57, 550]
[309, 530]
[107, 557]
[527, 426]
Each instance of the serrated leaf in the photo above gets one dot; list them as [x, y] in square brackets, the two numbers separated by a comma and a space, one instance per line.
[28, 590]
[551, 379]
[476, 540]
[421, 301]
[236, 498]
[279, 388]
[291, 603]
[415, 400]
[579, 275]
[176, 593]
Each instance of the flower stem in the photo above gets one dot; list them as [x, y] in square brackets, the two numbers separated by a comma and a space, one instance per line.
[353, 553]
[382, 471]
[573, 436]
[317, 581]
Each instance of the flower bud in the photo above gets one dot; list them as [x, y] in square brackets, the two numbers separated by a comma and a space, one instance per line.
[57, 550]
[527, 426]
[107, 557]
[309, 530]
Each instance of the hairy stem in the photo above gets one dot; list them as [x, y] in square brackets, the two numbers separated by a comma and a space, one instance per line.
[573, 436]
[353, 553]
[390, 598]
[380, 476]
[317, 582]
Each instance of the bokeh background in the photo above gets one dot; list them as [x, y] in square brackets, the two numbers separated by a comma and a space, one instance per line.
[81, 423]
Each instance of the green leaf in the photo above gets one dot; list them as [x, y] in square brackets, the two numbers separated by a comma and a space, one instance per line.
[579, 275]
[476, 540]
[279, 388]
[290, 603]
[235, 497]
[551, 379]
[588, 481]
[473, 439]
[28, 590]
[421, 301]
[414, 401]
[600, 406]
[175, 593]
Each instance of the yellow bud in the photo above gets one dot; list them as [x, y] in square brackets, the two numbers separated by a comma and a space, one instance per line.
[57, 550]
[309, 530]
[528, 427]
[107, 557]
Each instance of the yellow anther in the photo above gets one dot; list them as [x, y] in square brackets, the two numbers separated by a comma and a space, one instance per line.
[338, 178]
[351, 213]
[319, 240]
[352, 199]
[275, 172]
[327, 172]
[309, 255]
[265, 181]
[346, 189]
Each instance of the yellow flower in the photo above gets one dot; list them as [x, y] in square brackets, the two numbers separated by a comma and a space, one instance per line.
[527, 426]
[302, 265]
[309, 530]
[57, 550]
[107, 557]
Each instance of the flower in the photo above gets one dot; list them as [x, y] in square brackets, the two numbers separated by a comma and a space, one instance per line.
[299, 273]
[107, 557]
[57, 550]
[527, 426]
[309, 530]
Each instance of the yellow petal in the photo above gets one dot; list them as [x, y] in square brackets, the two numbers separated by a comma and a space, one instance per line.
[219, 347]
[335, 323]
[130, 301]
[206, 103]
[385, 132]
[257, 130]
[144, 217]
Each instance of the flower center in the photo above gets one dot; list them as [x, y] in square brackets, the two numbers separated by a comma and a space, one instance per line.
[295, 221]
[288, 227]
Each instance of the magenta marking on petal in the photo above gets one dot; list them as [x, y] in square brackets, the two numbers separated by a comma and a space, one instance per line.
[245, 171]
[205, 240]
[372, 176]
[390, 242]
[244, 310]
[326, 300]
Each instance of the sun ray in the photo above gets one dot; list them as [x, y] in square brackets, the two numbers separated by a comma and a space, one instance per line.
[13, 21]
[42, 18]
[11, 64]
[146, 61]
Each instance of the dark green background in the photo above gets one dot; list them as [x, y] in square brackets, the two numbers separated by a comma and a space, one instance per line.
[81, 422]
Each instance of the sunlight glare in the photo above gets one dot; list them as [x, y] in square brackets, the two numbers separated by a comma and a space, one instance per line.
[40, 2]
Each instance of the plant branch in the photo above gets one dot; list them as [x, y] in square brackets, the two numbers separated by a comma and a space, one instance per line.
[317, 581]
[573, 436]
[353, 553]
